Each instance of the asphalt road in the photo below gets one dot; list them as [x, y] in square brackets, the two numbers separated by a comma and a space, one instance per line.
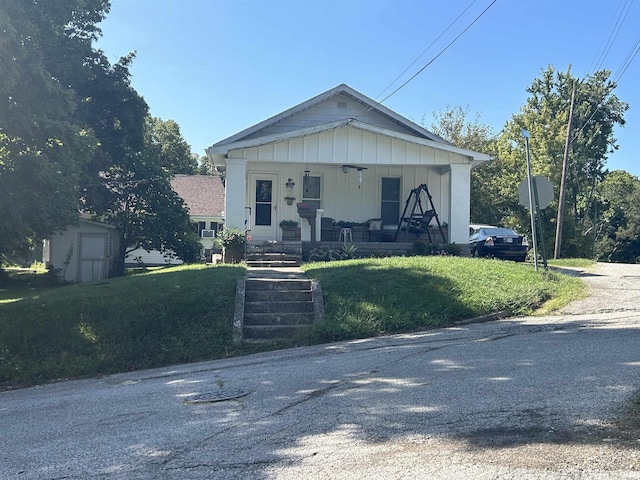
[538, 397]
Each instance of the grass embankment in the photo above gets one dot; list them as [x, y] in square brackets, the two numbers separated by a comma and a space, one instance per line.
[185, 314]
[372, 297]
[159, 318]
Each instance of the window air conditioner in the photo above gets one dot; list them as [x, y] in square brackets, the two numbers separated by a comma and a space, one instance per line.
[208, 233]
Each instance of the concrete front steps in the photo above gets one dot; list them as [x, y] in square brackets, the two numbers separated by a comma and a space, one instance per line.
[275, 303]
[274, 254]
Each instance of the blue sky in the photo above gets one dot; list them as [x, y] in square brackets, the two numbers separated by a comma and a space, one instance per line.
[219, 66]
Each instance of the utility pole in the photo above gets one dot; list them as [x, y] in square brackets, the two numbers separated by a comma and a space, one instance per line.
[565, 161]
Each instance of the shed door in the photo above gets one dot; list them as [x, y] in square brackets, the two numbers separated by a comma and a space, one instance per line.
[93, 257]
[264, 196]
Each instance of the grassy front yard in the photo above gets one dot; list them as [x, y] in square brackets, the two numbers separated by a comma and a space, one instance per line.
[185, 314]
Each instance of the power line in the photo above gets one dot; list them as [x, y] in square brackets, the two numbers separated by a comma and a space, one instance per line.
[615, 78]
[622, 16]
[439, 53]
[426, 49]
[628, 60]
[379, 102]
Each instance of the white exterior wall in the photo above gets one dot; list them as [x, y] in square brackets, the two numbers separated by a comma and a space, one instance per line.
[446, 174]
[324, 153]
[460, 188]
[347, 145]
[342, 200]
[235, 196]
[150, 258]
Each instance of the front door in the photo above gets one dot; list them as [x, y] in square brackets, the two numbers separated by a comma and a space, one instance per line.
[264, 195]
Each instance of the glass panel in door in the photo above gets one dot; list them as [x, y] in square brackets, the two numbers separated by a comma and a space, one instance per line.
[264, 201]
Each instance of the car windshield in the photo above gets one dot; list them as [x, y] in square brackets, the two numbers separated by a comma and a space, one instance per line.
[499, 231]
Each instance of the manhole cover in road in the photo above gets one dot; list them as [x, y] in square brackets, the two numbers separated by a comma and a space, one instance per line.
[220, 396]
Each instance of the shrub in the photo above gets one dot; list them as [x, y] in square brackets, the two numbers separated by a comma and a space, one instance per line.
[288, 223]
[422, 247]
[327, 254]
[348, 251]
[231, 238]
[323, 254]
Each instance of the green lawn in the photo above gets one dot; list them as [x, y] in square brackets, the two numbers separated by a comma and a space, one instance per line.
[185, 314]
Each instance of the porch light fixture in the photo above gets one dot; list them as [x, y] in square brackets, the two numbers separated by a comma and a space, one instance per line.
[289, 195]
[290, 184]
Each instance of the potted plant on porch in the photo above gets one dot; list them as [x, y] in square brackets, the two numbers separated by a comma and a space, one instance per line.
[290, 230]
[232, 241]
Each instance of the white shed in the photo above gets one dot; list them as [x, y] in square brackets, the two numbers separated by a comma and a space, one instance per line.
[83, 252]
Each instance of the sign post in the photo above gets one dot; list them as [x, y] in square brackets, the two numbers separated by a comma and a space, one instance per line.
[535, 193]
[526, 136]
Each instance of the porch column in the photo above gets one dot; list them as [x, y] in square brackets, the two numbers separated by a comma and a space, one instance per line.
[235, 193]
[318, 228]
[460, 202]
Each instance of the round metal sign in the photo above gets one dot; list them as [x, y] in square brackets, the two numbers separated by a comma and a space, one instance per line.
[545, 191]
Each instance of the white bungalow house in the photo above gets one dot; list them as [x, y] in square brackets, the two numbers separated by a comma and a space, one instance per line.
[347, 155]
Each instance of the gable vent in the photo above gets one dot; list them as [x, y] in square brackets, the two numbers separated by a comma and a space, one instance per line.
[342, 104]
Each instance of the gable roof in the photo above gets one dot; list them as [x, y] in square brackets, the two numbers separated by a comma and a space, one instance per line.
[203, 194]
[367, 103]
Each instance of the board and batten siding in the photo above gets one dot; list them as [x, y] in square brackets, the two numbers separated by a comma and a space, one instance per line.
[350, 145]
[338, 108]
[342, 197]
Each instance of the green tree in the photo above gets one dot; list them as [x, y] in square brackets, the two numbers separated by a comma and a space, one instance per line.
[74, 134]
[204, 166]
[43, 145]
[164, 142]
[618, 228]
[454, 126]
[135, 195]
[545, 116]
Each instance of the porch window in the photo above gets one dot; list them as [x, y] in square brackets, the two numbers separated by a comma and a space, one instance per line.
[390, 207]
[311, 187]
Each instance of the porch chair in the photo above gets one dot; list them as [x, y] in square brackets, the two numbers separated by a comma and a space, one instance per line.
[326, 229]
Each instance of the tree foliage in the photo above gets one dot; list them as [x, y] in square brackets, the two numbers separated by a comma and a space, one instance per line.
[75, 135]
[617, 231]
[595, 202]
[164, 142]
[545, 116]
[43, 145]
[135, 195]
[454, 126]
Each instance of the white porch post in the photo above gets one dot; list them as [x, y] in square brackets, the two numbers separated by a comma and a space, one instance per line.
[460, 195]
[319, 213]
[235, 193]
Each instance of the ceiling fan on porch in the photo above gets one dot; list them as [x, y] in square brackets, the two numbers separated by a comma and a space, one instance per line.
[345, 169]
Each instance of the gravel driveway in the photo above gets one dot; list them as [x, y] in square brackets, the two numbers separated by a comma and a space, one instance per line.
[519, 398]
